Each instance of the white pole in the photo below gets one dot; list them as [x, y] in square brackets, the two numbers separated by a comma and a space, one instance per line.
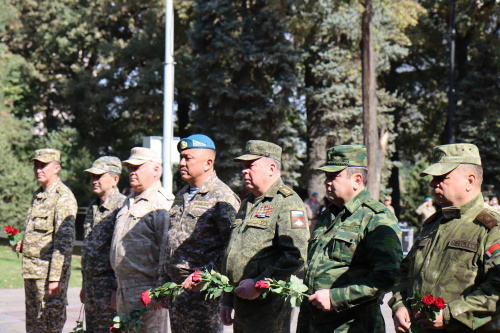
[168, 104]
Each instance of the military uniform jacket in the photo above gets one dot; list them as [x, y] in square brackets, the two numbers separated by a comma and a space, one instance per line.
[199, 229]
[49, 233]
[268, 237]
[98, 227]
[450, 259]
[140, 229]
[355, 252]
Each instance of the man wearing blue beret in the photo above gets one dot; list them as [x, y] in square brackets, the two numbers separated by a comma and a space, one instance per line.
[200, 223]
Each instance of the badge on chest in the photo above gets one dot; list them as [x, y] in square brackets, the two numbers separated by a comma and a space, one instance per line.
[264, 211]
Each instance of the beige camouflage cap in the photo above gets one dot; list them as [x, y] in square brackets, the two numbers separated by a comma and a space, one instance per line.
[140, 155]
[340, 157]
[47, 155]
[256, 149]
[447, 157]
[105, 164]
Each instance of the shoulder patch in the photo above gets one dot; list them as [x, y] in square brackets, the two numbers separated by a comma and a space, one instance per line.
[297, 219]
[488, 220]
[285, 190]
[376, 206]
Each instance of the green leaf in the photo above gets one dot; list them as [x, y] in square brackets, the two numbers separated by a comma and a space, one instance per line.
[228, 289]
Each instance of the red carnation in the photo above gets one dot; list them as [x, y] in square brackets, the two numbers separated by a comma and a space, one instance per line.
[428, 300]
[262, 284]
[8, 229]
[15, 231]
[439, 303]
[145, 299]
[196, 276]
[114, 329]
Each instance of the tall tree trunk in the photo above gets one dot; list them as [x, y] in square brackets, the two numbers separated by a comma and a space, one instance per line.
[375, 152]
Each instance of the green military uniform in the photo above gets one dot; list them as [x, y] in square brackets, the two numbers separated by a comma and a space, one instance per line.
[197, 238]
[47, 247]
[454, 258]
[99, 279]
[355, 252]
[268, 240]
[140, 229]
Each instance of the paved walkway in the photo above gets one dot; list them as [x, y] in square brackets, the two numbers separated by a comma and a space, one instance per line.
[12, 317]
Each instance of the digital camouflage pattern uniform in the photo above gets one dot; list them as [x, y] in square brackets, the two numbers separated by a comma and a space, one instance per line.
[49, 234]
[355, 252]
[99, 279]
[268, 240]
[197, 238]
[140, 229]
[454, 258]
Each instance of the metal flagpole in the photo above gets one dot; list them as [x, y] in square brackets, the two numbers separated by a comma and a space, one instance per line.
[168, 104]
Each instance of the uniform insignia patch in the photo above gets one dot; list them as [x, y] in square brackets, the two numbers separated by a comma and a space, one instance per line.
[198, 144]
[264, 211]
[494, 249]
[297, 218]
[184, 144]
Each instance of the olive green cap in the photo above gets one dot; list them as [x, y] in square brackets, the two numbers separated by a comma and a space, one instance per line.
[141, 155]
[340, 157]
[447, 157]
[47, 155]
[105, 164]
[256, 149]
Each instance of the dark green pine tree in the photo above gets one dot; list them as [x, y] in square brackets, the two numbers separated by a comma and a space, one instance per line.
[244, 80]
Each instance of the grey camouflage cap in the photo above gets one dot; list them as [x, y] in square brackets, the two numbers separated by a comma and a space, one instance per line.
[256, 149]
[340, 157]
[105, 164]
[447, 157]
[47, 155]
[141, 155]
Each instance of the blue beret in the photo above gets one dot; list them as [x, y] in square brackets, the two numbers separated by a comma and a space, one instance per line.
[195, 141]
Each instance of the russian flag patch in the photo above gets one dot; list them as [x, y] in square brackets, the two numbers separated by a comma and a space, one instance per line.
[297, 218]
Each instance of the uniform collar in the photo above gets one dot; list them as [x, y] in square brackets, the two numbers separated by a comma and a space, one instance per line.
[41, 193]
[144, 195]
[205, 187]
[112, 198]
[456, 212]
[358, 200]
[272, 191]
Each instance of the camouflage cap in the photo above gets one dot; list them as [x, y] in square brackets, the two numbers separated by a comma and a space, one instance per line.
[256, 149]
[447, 157]
[47, 155]
[340, 157]
[105, 164]
[195, 141]
[140, 155]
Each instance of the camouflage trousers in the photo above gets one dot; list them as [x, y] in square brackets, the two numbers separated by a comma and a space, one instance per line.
[192, 313]
[44, 314]
[366, 319]
[128, 299]
[97, 292]
[271, 314]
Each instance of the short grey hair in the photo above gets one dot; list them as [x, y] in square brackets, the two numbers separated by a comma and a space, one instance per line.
[361, 170]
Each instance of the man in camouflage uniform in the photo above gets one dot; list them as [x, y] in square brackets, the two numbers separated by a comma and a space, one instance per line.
[140, 229]
[200, 225]
[99, 283]
[457, 253]
[47, 246]
[268, 240]
[354, 253]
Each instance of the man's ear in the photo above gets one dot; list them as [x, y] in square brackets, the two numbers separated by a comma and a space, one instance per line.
[357, 181]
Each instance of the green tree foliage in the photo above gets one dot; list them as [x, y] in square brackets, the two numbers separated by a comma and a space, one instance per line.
[16, 173]
[244, 75]
[415, 189]
[332, 74]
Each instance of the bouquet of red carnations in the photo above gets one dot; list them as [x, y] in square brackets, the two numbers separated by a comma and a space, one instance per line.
[13, 236]
[428, 306]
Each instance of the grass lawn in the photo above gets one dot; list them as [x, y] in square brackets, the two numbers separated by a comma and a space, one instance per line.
[11, 270]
